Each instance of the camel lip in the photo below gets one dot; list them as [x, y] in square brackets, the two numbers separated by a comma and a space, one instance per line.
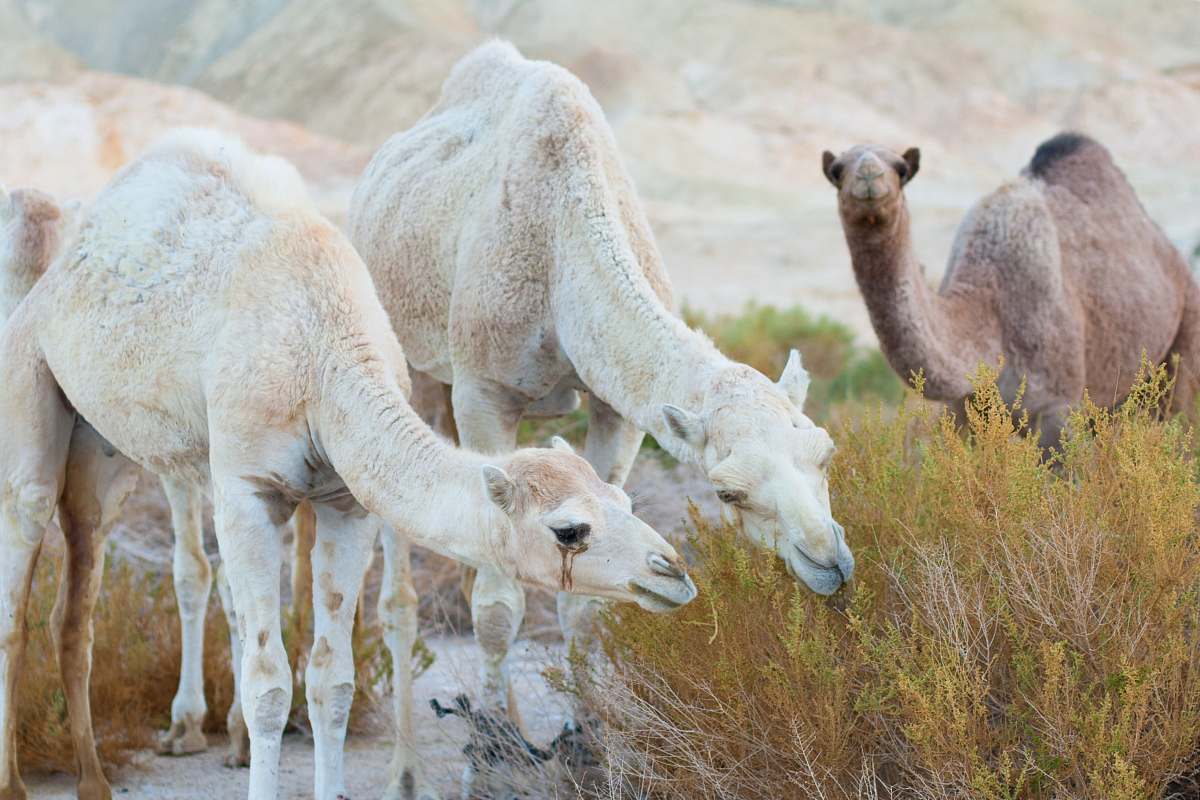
[813, 563]
[662, 601]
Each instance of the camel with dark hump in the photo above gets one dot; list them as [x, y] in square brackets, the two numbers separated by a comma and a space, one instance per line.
[1060, 272]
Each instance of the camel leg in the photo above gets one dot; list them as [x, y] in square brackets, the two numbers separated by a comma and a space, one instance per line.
[304, 532]
[35, 435]
[398, 617]
[193, 581]
[235, 723]
[487, 417]
[1187, 347]
[251, 553]
[340, 557]
[430, 398]
[95, 489]
[612, 442]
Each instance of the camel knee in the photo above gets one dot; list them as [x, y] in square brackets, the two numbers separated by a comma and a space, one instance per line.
[329, 681]
[266, 689]
[270, 711]
[495, 628]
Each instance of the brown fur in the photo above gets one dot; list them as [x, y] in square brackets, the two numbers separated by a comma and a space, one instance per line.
[1060, 273]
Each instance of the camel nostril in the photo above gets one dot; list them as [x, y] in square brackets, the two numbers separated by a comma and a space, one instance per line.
[661, 565]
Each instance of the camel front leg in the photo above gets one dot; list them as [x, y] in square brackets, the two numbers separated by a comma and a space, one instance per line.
[487, 416]
[340, 557]
[612, 442]
[398, 617]
[192, 576]
[251, 553]
[611, 447]
[94, 491]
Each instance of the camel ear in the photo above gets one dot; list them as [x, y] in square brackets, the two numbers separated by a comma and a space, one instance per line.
[685, 425]
[499, 487]
[827, 159]
[912, 157]
[795, 380]
[559, 443]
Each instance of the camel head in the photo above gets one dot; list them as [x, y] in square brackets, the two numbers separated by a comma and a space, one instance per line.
[573, 532]
[869, 180]
[770, 467]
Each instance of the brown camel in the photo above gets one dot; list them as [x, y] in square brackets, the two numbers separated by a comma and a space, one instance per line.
[1061, 272]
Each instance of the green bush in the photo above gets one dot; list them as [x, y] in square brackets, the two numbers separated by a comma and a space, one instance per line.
[1017, 628]
[762, 336]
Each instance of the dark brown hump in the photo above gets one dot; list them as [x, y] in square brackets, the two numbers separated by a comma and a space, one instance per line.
[1066, 152]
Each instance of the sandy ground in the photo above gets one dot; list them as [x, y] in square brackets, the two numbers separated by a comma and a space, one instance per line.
[204, 777]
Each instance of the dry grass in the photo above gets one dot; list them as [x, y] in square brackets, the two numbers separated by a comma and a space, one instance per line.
[1017, 628]
[134, 675]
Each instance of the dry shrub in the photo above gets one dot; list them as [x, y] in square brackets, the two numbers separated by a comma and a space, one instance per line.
[1017, 628]
[135, 670]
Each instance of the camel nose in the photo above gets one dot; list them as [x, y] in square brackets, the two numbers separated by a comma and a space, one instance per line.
[870, 178]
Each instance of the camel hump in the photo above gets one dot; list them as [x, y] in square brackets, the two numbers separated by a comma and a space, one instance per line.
[270, 182]
[499, 81]
[1069, 156]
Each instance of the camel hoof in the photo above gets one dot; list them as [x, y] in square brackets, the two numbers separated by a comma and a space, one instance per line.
[93, 790]
[237, 760]
[182, 740]
[16, 792]
[408, 788]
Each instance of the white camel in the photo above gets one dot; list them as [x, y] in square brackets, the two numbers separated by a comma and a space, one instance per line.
[211, 326]
[508, 245]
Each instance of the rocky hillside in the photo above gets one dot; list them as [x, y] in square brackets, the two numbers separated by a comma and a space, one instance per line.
[722, 108]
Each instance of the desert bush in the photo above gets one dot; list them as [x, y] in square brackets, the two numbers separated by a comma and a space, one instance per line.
[1019, 627]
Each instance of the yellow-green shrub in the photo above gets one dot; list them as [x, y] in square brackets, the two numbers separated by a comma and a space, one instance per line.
[1017, 628]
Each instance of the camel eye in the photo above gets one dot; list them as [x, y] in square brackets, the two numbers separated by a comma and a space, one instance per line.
[572, 535]
[731, 497]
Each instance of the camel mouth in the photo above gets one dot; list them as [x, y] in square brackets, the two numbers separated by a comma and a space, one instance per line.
[824, 580]
[658, 600]
[812, 563]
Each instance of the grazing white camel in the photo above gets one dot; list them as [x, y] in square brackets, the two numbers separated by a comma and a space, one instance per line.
[211, 326]
[508, 245]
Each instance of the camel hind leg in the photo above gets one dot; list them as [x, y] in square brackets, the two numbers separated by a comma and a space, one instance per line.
[94, 491]
[1187, 347]
[35, 434]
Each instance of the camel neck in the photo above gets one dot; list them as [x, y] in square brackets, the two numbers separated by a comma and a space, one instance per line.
[398, 468]
[627, 347]
[917, 328]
